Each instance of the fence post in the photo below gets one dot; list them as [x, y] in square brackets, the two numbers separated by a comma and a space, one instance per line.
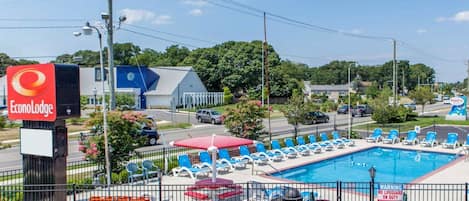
[74, 189]
[165, 161]
[465, 191]
[434, 126]
[339, 190]
[160, 193]
[247, 190]
[372, 191]
[317, 131]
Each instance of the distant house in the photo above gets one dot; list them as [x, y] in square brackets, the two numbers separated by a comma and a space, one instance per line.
[333, 92]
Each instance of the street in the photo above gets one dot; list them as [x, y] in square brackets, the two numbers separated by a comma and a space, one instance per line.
[11, 159]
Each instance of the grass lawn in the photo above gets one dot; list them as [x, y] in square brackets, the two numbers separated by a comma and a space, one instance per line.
[410, 125]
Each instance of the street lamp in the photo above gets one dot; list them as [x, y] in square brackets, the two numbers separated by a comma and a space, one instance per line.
[372, 172]
[95, 91]
[349, 108]
[88, 30]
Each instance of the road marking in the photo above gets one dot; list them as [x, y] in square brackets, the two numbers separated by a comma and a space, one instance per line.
[202, 125]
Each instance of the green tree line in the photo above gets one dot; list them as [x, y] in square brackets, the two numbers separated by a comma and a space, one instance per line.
[237, 65]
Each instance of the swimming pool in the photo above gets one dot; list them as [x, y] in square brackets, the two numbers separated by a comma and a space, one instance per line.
[392, 165]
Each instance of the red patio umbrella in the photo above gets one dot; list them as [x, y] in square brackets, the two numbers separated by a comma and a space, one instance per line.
[212, 144]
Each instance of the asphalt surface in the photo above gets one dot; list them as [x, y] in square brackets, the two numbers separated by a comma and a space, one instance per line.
[11, 159]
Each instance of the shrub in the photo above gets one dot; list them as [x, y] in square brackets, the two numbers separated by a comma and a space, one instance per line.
[227, 95]
[3, 121]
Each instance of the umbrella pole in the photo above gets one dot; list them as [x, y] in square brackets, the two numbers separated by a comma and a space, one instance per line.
[214, 166]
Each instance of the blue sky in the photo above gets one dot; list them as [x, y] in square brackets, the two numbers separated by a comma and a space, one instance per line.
[433, 32]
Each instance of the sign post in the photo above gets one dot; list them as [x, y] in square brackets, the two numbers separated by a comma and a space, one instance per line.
[43, 96]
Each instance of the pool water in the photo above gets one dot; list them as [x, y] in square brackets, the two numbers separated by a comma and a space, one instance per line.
[392, 165]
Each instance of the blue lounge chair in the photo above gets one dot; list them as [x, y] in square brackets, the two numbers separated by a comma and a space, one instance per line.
[149, 169]
[303, 150]
[288, 151]
[430, 139]
[224, 155]
[261, 192]
[336, 137]
[315, 147]
[323, 145]
[205, 158]
[411, 138]
[309, 196]
[376, 136]
[451, 141]
[273, 155]
[393, 137]
[253, 158]
[185, 166]
[133, 169]
[466, 144]
[325, 139]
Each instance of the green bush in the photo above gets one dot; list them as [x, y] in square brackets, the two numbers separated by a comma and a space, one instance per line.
[3, 121]
[227, 96]
[328, 106]
[123, 175]
[392, 114]
[116, 178]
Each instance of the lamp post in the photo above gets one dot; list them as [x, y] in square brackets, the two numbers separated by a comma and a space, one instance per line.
[95, 91]
[349, 132]
[88, 30]
[372, 172]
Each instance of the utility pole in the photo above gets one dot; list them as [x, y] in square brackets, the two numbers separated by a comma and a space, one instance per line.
[394, 74]
[403, 81]
[266, 66]
[110, 50]
[262, 77]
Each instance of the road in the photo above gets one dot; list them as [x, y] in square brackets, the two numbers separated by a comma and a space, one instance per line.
[11, 159]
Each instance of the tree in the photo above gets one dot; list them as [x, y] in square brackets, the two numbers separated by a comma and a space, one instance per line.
[124, 99]
[421, 96]
[227, 95]
[295, 111]
[245, 118]
[122, 133]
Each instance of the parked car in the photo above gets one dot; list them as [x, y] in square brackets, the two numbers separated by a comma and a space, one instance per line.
[4, 111]
[343, 109]
[362, 110]
[446, 100]
[208, 115]
[315, 117]
[411, 106]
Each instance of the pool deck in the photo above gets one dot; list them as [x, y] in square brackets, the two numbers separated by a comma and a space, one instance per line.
[454, 172]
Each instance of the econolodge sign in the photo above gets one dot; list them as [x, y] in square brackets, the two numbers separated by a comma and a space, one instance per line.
[31, 92]
[456, 101]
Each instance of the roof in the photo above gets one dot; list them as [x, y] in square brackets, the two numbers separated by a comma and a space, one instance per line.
[170, 77]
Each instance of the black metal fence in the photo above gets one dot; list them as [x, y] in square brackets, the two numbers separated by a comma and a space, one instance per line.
[332, 191]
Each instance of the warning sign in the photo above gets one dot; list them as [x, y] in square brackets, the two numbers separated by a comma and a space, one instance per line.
[390, 192]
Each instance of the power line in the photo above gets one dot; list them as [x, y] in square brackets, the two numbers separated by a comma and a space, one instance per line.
[42, 19]
[159, 38]
[173, 34]
[39, 27]
[304, 24]
[409, 46]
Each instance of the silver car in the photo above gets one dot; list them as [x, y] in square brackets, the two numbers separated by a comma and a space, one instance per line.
[208, 115]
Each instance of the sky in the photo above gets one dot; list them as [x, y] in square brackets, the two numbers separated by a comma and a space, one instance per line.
[432, 32]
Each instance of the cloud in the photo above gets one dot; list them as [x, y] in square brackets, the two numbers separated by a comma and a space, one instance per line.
[135, 15]
[421, 31]
[198, 3]
[462, 16]
[196, 12]
[162, 19]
